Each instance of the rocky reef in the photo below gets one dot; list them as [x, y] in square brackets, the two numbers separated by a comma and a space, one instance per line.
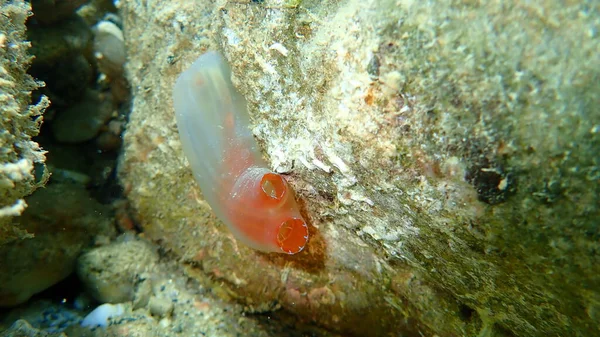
[445, 156]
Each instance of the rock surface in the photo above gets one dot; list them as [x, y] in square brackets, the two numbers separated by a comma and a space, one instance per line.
[179, 307]
[112, 273]
[61, 229]
[445, 156]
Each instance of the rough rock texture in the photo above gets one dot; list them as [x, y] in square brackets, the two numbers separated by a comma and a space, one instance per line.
[174, 305]
[64, 219]
[445, 156]
[22, 168]
[111, 273]
[22, 328]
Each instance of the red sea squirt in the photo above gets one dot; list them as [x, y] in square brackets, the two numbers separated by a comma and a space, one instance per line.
[257, 205]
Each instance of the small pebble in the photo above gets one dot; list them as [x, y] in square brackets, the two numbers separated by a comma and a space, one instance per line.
[109, 272]
[160, 307]
[107, 141]
[84, 120]
[165, 322]
[142, 294]
[109, 48]
[100, 316]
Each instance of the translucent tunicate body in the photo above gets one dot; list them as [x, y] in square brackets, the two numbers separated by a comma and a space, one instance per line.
[257, 205]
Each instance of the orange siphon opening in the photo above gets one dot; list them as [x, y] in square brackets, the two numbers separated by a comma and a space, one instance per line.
[292, 236]
[273, 186]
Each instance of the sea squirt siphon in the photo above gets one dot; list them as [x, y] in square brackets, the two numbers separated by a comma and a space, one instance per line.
[257, 205]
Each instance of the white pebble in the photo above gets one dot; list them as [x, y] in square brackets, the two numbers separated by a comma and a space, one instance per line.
[99, 317]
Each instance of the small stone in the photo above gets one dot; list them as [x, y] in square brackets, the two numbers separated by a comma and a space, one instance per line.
[115, 127]
[142, 294]
[65, 176]
[164, 323]
[393, 81]
[109, 51]
[83, 121]
[51, 44]
[63, 219]
[66, 80]
[109, 273]
[50, 11]
[108, 141]
[373, 67]
[109, 48]
[101, 316]
[160, 306]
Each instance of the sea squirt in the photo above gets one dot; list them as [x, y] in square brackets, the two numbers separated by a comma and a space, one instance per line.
[257, 205]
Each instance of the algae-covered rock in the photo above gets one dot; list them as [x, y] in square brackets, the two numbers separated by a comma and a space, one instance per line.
[22, 168]
[446, 156]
